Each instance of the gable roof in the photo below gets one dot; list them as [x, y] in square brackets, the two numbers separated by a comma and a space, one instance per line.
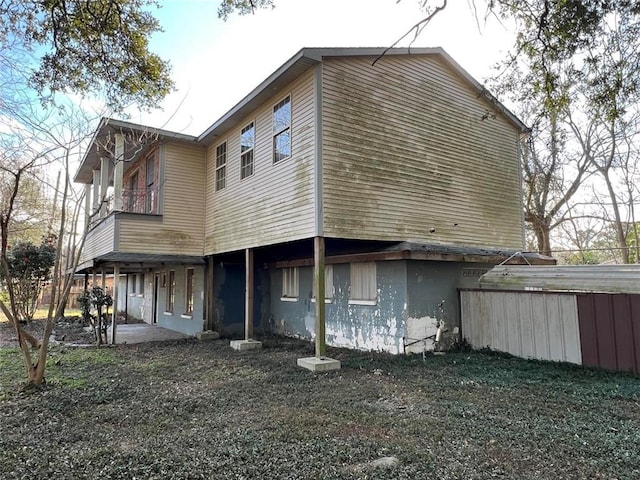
[308, 57]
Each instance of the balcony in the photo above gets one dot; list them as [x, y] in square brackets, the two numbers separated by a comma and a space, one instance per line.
[140, 200]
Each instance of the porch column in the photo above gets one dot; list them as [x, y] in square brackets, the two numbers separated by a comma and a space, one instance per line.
[248, 343]
[118, 173]
[104, 185]
[114, 310]
[319, 363]
[209, 296]
[96, 192]
[87, 204]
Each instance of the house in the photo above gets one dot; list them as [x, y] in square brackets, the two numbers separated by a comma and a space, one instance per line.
[380, 184]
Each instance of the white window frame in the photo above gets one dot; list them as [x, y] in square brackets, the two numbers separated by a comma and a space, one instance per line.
[328, 284]
[280, 129]
[290, 284]
[363, 284]
[189, 291]
[248, 153]
[170, 300]
[221, 167]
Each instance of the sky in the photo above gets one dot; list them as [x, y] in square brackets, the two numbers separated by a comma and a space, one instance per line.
[216, 64]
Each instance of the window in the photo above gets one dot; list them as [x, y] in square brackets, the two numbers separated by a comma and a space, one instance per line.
[221, 166]
[282, 130]
[290, 285]
[141, 287]
[149, 194]
[163, 280]
[171, 290]
[363, 284]
[188, 300]
[134, 283]
[247, 142]
[132, 195]
[328, 284]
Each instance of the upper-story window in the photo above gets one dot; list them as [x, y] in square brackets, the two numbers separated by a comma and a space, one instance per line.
[221, 166]
[282, 130]
[247, 142]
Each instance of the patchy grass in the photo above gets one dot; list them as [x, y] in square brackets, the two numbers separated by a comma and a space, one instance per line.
[200, 410]
[42, 313]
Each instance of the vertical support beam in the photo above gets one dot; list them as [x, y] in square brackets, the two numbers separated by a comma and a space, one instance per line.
[86, 281]
[96, 191]
[209, 297]
[118, 173]
[114, 311]
[94, 279]
[248, 297]
[104, 185]
[87, 204]
[103, 280]
[318, 279]
[126, 298]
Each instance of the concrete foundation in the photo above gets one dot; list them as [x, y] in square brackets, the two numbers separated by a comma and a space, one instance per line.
[316, 364]
[242, 345]
[208, 335]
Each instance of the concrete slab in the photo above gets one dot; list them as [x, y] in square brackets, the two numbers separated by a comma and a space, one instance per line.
[207, 335]
[143, 332]
[322, 364]
[242, 345]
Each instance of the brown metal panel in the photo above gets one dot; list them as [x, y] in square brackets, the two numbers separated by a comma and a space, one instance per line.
[604, 330]
[634, 307]
[587, 324]
[623, 331]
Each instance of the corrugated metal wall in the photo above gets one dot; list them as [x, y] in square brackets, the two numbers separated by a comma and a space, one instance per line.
[610, 331]
[536, 325]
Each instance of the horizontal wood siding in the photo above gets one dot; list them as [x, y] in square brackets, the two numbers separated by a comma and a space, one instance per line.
[411, 152]
[100, 240]
[180, 228]
[276, 203]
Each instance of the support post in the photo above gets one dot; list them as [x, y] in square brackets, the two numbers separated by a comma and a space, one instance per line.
[96, 192]
[248, 343]
[118, 173]
[318, 279]
[104, 185]
[319, 363]
[114, 311]
[248, 295]
[87, 205]
[210, 322]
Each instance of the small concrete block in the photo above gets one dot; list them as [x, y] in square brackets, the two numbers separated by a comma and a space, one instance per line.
[208, 335]
[322, 364]
[242, 345]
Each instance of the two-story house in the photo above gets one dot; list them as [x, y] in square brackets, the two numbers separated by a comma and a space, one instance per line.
[379, 184]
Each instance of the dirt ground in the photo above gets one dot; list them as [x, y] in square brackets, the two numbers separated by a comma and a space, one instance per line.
[68, 330]
[192, 409]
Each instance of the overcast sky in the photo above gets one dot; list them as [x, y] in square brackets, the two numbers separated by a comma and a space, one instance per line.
[216, 63]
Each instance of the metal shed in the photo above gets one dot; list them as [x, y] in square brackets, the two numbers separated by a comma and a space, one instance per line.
[588, 315]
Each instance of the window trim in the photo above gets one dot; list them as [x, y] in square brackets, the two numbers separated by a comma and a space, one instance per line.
[275, 133]
[287, 285]
[222, 167]
[170, 299]
[251, 150]
[189, 291]
[363, 301]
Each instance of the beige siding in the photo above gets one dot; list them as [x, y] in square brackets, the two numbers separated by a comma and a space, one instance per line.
[100, 240]
[529, 325]
[410, 152]
[276, 204]
[179, 230]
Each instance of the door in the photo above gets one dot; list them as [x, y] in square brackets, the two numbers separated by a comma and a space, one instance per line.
[156, 287]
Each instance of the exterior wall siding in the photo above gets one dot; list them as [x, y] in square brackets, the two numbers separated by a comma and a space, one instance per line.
[100, 240]
[179, 229]
[541, 326]
[410, 152]
[178, 320]
[276, 203]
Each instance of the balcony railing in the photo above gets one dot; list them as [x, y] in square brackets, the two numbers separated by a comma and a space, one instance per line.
[140, 200]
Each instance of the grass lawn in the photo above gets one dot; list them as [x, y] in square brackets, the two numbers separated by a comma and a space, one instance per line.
[201, 410]
[42, 313]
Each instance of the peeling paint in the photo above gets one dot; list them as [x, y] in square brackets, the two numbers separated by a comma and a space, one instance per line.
[421, 334]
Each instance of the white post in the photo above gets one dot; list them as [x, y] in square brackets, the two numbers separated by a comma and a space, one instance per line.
[96, 191]
[114, 310]
[118, 173]
[104, 185]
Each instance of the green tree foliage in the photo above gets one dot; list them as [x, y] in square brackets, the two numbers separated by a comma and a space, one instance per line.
[29, 268]
[97, 46]
[242, 7]
[100, 301]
